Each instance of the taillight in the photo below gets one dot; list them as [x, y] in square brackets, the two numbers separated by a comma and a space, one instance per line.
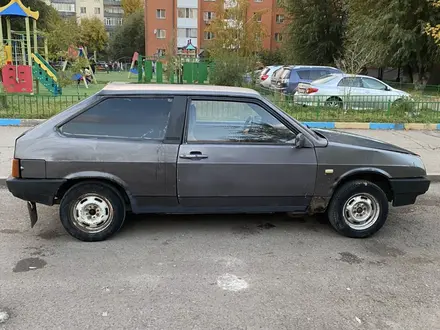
[264, 77]
[15, 168]
[311, 90]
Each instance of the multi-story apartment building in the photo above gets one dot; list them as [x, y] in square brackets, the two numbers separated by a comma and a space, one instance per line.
[180, 21]
[108, 11]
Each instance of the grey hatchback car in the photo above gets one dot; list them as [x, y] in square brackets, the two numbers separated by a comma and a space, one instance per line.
[204, 149]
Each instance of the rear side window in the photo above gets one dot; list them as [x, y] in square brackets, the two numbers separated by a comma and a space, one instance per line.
[304, 74]
[350, 82]
[316, 74]
[285, 74]
[125, 118]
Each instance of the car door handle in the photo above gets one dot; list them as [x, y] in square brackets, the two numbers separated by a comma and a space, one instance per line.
[194, 155]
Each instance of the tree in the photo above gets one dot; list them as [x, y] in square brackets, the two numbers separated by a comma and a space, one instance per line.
[315, 33]
[396, 28]
[93, 34]
[131, 6]
[271, 57]
[234, 30]
[62, 34]
[129, 37]
[434, 30]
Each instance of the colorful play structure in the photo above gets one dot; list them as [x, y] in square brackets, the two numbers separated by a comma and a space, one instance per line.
[24, 64]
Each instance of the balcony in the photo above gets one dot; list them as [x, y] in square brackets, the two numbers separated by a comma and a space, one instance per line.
[112, 2]
[112, 14]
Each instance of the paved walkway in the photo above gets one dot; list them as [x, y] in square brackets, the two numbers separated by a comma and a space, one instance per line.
[424, 143]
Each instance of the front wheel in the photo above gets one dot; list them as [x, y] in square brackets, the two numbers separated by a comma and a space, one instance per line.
[92, 211]
[358, 209]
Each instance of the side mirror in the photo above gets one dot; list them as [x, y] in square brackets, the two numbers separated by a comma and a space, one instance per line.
[300, 140]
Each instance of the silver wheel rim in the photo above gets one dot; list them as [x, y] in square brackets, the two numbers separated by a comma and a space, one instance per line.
[92, 213]
[334, 103]
[361, 211]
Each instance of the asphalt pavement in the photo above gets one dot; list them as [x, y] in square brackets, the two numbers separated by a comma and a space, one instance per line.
[221, 272]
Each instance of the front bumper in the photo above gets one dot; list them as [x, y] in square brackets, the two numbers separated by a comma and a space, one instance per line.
[41, 191]
[405, 191]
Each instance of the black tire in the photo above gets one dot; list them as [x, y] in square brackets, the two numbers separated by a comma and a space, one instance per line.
[338, 213]
[334, 102]
[109, 201]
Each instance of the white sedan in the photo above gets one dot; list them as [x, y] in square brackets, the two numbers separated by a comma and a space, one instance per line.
[349, 91]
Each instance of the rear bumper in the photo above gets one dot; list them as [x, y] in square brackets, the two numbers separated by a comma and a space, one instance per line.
[406, 190]
[41, 191]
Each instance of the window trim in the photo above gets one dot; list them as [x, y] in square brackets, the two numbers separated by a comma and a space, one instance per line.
[158, 11]
[258, 102]
[172, 133]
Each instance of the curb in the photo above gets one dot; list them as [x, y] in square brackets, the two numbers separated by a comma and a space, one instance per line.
[312, 124]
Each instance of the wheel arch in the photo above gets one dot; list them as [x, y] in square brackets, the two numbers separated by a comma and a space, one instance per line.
[374, 175]
[94, 176]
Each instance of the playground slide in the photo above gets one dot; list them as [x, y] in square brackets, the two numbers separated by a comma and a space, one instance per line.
[46, 74]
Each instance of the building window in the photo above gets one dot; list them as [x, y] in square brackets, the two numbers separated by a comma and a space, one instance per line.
[160, 52]
[98, 1]
[161, 34]
[112, 21]
[113, 10]
[187, 33]
[279, 19]
[258, 0]
[97, 11]
[187, 13]
[83, 10]
[208, 15]
[278, 37]
[160, 13]
[208, 35]
[257, 17]
[64, 7]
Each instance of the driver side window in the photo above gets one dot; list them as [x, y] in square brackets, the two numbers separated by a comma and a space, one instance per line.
[229, 121]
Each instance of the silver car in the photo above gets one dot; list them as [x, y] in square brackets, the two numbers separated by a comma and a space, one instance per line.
[204, 149]
[349, 91]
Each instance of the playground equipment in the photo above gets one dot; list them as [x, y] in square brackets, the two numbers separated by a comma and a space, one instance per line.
[74, 53]
[23, 65]
[181, 69]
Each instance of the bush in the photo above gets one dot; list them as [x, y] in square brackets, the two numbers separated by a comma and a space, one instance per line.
[231, 70]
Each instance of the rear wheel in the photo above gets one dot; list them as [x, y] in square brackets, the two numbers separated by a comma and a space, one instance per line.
[358, 209]
[333, 102]
[92, 211]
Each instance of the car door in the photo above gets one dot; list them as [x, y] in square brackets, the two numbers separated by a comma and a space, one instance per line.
[239, 154]
[378, 94]
[351, 92]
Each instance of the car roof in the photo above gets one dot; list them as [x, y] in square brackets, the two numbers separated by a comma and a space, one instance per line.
[148, 89]
[351, 75]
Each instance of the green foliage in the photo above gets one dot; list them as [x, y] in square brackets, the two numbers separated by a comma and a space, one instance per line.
[229, 70]
[93, 34]
[132, 6]
[315, 32]
[271, 57]
[62, 34]
[396, 28]
[47, 13]
[129, 37]
[233, 30]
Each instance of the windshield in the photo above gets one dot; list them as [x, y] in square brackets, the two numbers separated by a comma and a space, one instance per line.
[323, 80]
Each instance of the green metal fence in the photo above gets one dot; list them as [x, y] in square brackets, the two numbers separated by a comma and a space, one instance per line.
[356, 108]
[35, 106]
[310, 108]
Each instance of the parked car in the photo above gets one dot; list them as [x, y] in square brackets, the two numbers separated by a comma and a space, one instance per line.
[204, 149]
[350, 91]
[290, 76]
[252, 76]
[266, 75]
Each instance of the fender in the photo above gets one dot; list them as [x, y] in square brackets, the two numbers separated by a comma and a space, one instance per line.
[360, 170]
[102, 175]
